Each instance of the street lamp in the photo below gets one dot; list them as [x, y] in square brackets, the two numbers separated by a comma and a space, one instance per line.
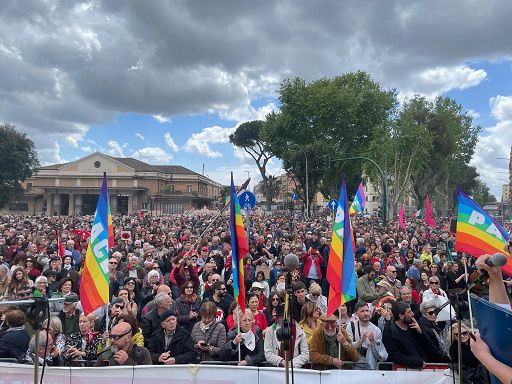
[307, 179]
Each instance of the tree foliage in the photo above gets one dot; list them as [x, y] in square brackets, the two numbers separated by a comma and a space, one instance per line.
[18, 161]
[481, 193]
[333, 117]
[247, 136]
[272, 187]
[426, 149]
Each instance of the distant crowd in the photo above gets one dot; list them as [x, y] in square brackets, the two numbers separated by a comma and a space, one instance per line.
[171, 290]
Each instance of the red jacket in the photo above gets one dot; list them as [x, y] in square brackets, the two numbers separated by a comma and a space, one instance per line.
[308, 262]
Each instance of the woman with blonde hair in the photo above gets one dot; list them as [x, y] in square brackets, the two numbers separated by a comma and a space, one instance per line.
[315, 295]
[473, 370]
[309, 319]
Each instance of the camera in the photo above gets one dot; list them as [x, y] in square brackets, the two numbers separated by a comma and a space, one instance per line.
[362, 350]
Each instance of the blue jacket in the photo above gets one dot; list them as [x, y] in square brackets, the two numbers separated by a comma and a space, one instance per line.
[14, 343]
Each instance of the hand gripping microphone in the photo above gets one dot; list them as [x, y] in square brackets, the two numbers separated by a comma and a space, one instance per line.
[496, 260]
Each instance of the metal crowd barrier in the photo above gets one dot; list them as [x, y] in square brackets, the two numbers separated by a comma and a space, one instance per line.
[431, 367]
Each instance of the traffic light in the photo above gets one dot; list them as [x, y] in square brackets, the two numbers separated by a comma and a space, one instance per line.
[326, 160]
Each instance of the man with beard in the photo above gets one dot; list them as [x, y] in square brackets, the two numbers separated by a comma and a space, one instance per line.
[366, 337]
[405, 342]
[221, 299]
[122, 351]
[330, 346]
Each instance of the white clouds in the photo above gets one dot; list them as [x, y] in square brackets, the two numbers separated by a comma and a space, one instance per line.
[436, 81]
[200, 142]
[139, 136]
[161, 119]
[170, 142]
[152, 155]
[495, 143]
[51, 155]
[474, 114]
[501, 107]
[115, 149]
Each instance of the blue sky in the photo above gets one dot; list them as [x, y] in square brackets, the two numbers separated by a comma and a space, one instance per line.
[167, 82]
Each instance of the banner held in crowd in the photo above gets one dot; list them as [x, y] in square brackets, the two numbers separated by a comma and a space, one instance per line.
[94, 286]
[401, 219]
[341, 273]
[359, 201]
[429, 214]
[239, 247]
[478, 233]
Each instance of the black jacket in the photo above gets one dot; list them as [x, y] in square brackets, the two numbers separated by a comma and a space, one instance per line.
[401, 350]
[181, 347]
[150, 323]
[435, 354]
[254, 358]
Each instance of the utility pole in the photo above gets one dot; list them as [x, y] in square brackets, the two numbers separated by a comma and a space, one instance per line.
[384, 184]
[307, 179]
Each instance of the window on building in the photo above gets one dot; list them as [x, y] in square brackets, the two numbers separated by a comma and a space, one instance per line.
[171, 208]
[189, 188]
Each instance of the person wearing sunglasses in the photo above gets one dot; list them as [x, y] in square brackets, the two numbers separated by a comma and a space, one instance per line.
[435, 293]
[438, 351]
[122, 351]
[473, 370]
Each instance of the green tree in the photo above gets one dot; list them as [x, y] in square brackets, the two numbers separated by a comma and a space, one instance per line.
[453, 140]
[224, 193]
[272, 187]
[481, 193]
[18, 161]
[247, 137]
[333, 117]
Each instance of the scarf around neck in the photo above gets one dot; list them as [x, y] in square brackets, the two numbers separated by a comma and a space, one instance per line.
[332, 345]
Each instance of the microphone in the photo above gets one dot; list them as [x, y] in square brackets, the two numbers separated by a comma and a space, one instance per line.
[291, 262]
[496, 260]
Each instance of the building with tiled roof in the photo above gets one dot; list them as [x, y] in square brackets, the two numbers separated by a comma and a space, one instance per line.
[73, 188]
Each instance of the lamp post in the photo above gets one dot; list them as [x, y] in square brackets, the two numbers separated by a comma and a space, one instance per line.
[384, 184]
[307, 179]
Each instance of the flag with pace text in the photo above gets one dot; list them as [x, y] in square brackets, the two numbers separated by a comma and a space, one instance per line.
[359, 201]
[94, 286]
[477, 233]
[341, 273]
[239, 247]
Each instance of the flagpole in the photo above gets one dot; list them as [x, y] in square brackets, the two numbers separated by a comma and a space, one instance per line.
[238, 333]
[243, 186]
[469, 298]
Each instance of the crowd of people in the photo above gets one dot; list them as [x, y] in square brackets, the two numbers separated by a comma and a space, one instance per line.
[171, 290]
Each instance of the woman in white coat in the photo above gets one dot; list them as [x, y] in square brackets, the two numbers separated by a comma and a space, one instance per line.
[299, 351]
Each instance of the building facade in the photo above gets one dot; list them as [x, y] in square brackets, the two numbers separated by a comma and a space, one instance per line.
[73, 188]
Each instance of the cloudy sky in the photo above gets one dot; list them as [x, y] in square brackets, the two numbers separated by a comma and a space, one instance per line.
[168, 81]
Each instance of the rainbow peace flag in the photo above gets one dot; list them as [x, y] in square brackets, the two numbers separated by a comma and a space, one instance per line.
[341, 273]
[359, 201]
[239, 247]
[94, 286]
[477, 233]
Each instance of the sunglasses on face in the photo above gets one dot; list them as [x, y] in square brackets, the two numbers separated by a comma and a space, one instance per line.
[119, 306]
[189, 287]
[431, 313]
[275, 299]
[434, 282]
[465, 333]
[117, 337]
[130, 283]
[113, 263]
